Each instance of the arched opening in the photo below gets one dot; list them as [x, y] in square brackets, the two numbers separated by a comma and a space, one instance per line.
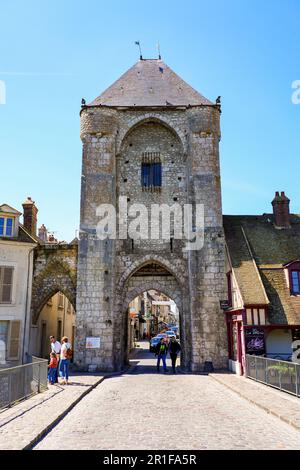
[56, 317]
[151, 315]
[153, 301]
[150, 170]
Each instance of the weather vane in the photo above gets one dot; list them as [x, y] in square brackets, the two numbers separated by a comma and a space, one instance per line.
[158, 49]
[138, 44]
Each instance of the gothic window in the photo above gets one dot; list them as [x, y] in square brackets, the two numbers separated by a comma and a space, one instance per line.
[151, 171]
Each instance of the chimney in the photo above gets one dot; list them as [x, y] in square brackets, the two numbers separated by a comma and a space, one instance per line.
[30, 215]
[43, 233]
[281, 210]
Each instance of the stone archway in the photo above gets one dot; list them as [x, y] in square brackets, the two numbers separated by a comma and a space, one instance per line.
[55, 270]
[139, 281]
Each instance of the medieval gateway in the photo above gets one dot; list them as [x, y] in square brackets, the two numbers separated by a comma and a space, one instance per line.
[152, 139]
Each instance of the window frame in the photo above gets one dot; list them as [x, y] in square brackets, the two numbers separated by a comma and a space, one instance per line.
[296, 271]
[5, 226]
[61, 300]
[292, 267]
[151, 171]
[2, 270]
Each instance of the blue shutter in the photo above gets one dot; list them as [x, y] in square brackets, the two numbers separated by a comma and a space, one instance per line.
[9, 226]
[145, 174]
[143, 182]
[151, 175]
[1, 225]
[157, 174]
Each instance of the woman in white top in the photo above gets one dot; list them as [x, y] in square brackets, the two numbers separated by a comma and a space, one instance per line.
[64, 360]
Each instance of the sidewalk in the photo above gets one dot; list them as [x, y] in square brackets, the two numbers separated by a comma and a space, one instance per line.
[273, 401]
[22, 425]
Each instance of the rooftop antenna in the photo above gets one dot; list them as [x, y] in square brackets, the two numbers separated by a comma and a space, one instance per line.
[158, 49]
[138, 44]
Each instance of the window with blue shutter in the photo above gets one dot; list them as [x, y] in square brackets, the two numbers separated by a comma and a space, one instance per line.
[151, 171]
[6, 226]
[9, 227]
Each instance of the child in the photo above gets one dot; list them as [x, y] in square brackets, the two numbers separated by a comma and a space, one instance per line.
[52, 368]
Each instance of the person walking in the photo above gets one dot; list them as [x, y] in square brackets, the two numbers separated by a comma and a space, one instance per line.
[161, 353]
[52, 372]
[65, 356]
[55, 348]
[174, 349]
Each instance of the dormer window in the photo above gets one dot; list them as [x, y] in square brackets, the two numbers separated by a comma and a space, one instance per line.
[6, 226]
[292, 271]
[295, 278]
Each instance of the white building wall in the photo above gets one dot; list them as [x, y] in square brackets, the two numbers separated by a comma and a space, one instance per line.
[20, 256]
[279, 343]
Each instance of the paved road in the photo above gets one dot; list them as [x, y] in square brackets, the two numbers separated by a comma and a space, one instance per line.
[146, 410]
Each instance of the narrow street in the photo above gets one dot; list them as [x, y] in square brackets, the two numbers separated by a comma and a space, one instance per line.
[146, 410]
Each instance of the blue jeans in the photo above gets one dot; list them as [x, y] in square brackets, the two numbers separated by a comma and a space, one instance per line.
[163, 358]
[64, 368]
[52, 375]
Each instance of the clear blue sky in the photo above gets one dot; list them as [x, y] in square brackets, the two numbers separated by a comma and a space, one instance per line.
[54, 52]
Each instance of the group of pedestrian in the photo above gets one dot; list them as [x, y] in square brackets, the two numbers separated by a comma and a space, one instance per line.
[60, 356]
[163, 348]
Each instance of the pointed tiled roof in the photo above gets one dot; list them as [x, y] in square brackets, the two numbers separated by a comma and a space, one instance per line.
[150, 82]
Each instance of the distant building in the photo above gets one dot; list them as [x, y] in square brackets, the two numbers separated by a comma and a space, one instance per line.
[57, 318]
[263, 273]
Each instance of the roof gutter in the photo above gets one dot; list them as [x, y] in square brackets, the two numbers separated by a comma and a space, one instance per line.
[161, 107]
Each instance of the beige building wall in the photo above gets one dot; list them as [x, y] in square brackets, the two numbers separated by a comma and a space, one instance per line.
[57, 318]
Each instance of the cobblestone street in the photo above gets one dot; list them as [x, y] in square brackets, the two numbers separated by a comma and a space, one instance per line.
[146, 410]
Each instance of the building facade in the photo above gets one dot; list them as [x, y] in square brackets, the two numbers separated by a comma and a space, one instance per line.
[263, 272]
[151, 139]
[16, 266]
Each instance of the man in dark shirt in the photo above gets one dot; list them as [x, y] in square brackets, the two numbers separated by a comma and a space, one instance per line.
[174, 349]
[161, 353]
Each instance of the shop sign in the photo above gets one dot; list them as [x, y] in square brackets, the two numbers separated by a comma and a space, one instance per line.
[255, 341]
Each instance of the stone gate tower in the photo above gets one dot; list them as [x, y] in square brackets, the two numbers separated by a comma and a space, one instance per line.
[151, 139]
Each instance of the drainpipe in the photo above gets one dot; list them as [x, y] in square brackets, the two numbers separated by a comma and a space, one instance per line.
[26, 303]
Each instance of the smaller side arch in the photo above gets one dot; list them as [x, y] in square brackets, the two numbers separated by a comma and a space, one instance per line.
[56, 276]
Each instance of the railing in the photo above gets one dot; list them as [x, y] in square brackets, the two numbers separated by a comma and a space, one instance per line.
[20, 382]
[283, 375]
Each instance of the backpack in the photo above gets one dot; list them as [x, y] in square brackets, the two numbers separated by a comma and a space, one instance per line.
[69, 353]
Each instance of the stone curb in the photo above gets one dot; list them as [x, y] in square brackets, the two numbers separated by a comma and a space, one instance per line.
[51, 425]
[268, 409]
